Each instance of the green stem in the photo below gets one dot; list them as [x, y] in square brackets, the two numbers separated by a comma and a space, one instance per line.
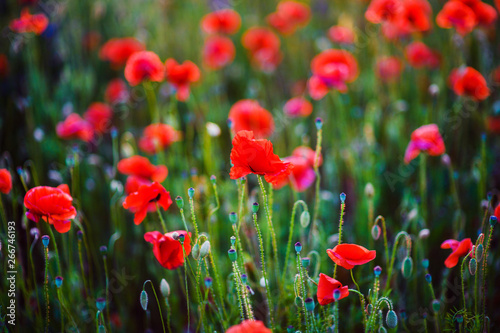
[162, 221]
[151, 98]
[157, 301]
[290, 235]
[341, 223]
[317, 196]
[393, 257]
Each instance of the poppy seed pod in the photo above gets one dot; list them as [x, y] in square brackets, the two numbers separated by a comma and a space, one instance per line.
[79, 235]
[144, 300]
[104, 250]
[436, 305]
[208, 282]
[255, 207]
[305, 218]
[391, 319]
[181, 238]
[336, 294]
[428, 278]
[100, 303]
[233, 240]
[377, 271]
[164, 288]
[298, 247]
[191, 193]
[407, 267]
[244, 278]
[290, 329]
[305, 262]
[180, 202]
[232, 255]
[233, 217]
[342, 197]
[319, 123]
[493, 220]
[425, 263]
[309, 304]
[45, 240]
[59, 281]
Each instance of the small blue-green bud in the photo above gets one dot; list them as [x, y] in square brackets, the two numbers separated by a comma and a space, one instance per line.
[144, 300]
[342, 197]
[180, 202]
[309, 304]
[59, 281]
[493, 220]
[436, 305]
[425, 263]
[305, 262]
[208, 282]
[377, 271]
[232, 255]
[336, 294]
[298, 247]
[45, 240]
[191, 193]
[244, 278]
[100, 303]
[391, 319]
[255, 207]
[233, 217]
[428, 278]
[319, 123]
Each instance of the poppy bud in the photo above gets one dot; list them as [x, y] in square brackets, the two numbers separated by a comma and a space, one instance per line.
[205, 249]
[213, 179]
[233, 217]
[391, 319]
[369, 309]
[164, 288]
[180, 202]
[459, 318]
[336, 294]
[208, 282]
[382, 329]
[104, 250]
[319, 123]
[369, 190]
[493, 220]
[305, 218]
[59, 281]
[472, 266]
[101, 329]
[424, 233]
[45, 240]
[244, 278]
[243, 180]
[298, 247]
[433, 89]
[407, 267]
[100, 303]
[309, 304]
[376, 232]
[79, 235]
[191, 193]
[305, 262]
[428, 278]
[342, 197]
[233, 240]
[181, 238]
[377, 271]
[255, 207]
[290, 329]
[436, 305]
[195, 251]
[232, 255]
[479, 252]
[144, 300]
[425, 263]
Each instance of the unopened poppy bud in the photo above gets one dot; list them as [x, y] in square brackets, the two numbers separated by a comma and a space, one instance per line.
[233, 240]
[369, 309]
[309, 304]
[493, 220]
[103, 249]
[255, 207]
[191, 193]
[391, 319]
[424, 233]
[290, 329]
[305, 218]
[382, 329]
[233, 217]
[433, 90]
[181, 238]
[144, 300]
[473, 266]
[425, 263]
[205, 249]
[445, 159]
[298, 247]
[407, 267]
[479, 252]
[428, 278]
[180, 202]
[232, 255]
[336, 294]
[213, 179]
[79, 235]
[59, 281]
[100, 303]
[195, 251]
[369, 190]
[244, 278]
[101, 329]
[45, 240]
[319, 123]
[305, 262]
[377, 270]
[164, 288]
[342, 197]
[208, 282]
[436, 305]
[376, 232]
[459, 318]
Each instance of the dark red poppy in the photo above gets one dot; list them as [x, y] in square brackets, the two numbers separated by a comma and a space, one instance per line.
[420, 55]
[466, 81]
[5, 181]
[298, 107]
[383, 10]
[247, 326]
[144, 66]
[497, 211]
[326, 287]
[141, 167]
[116, 92]
[157, 137]
[181, 76]
[341, 35]
[118, 50]
[248, 115]
[486, 14]
[495, 76]
[389, 69]
[307, 153]
[218, 52]
[29, 23]
[167, 250]
[415, 16]
[331, 69]
[4, 66]
[425, 139]
[75, 127]
[223, 21]
[134, 182]
[457, 15]
[459, 249]
[99, 116]
[493, 125]
[289, 16]
[256, 156]
[91, 40]
[350, 255]
[52, 205]
[146, 199]
[263, 46]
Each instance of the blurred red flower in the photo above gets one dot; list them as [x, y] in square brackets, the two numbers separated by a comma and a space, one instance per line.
[459, 249]
[263, 46]
[326, 287]
[167, 250]
[116, 92]
[118, 50]
[141, 167]
[420, 55]
[493, 126]
[181, 76]
[415, 16]
[389, 69]
[146, 199]
[425, 139]
[75, 127]
[495, 75]
[486, 14]
[99, 116]
[497, 211]
[383, 10]
[144, 66]
[218, 52]
[302, 175]
[289, 16]
[248, 115]
[297, 107]
[341, 35]
[157, 137]
[256, 156]
[29, 23]
[4, 66]
[224, 21]
[52, 205]
[457, 15]
[247, 326]
[466, 81]
[5, 181]
[134, 182]
[350, 255]
[331, 69]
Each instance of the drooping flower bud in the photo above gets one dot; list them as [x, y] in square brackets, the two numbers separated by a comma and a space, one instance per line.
[407, 267]
[144, 300]
[164, 288]
[472, 266]
[205, 249]
[391, 319]
[305, 218]
[376, 232]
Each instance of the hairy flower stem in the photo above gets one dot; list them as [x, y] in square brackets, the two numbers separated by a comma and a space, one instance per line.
[393, 256]
[423, 187]
[341, 223]
[193, 217]
[290, 235]
[46, 288]
[167, 304]
[187, 287]
[218, 284]
[162, 221]
[239, 293]
[361, 297]
[485, 271]
[384, 232]
[157, 300]
[317, 196]
[53, 239]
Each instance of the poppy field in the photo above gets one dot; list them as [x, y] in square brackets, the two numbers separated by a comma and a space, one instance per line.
[249, 166]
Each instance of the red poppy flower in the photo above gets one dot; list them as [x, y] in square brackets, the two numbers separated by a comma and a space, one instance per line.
[341, 35]
[302, 175]
[29, 23]
[256, 156]
[459, 249]
[493, 126]
[4, 66]
[415, 16]
[51, 204]
[326, 287]
[486, 15]
[145, 200]
[157, 137]
[218, 52]
[298, 107]
[383, 10]
[332, 69]
[134, 182]
[248, 115]
[264, 48]
[140, 166]
[350, 255]
[167, 250]
[389, 69]
[5, 181]
[289, 16]
[99, 116]
[497, 211]
[116, 92]
[74, 127]
[181, 76]
[425, 139]
[142, 66]
[457, 15]
[246, 326]
[224, 21]
[420, 55]
[118, 50]
[467, 81]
